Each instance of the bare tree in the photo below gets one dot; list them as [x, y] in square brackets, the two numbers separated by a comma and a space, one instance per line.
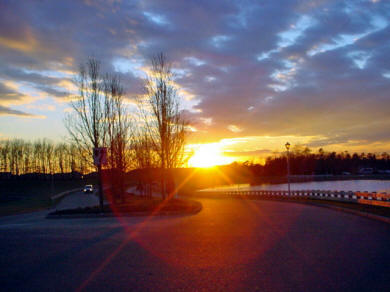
[74, 157]
[86, 124]
[5, 149]
[16, 157]
[60, 154]
[27, 157]
[144, 154]
[118, 130]
[145, 158]
[100, 118]
[164, 122]
[49, 156]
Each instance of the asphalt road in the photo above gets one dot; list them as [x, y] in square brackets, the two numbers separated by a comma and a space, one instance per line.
[231, 245]
[78, 200]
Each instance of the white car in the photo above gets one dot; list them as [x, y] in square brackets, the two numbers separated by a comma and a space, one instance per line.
[88, 189]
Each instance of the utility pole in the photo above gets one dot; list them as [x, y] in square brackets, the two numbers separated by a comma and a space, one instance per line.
[99, 159]
[288, 167]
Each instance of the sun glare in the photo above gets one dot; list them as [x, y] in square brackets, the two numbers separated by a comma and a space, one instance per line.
[208, 155]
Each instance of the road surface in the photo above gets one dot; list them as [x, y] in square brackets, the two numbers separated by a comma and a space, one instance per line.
[231, 245]
[78, 200]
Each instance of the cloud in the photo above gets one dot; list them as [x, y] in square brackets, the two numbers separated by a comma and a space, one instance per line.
[258, 152]
[6, 111]
[10, 96]
[42, 107]
[234, 128]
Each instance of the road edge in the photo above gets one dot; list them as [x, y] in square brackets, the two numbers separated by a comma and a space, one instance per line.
[351, 211]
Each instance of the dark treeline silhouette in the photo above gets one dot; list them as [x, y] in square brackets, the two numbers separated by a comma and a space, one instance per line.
[304, 162]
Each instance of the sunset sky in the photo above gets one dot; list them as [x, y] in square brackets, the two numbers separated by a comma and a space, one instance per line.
[252, 74]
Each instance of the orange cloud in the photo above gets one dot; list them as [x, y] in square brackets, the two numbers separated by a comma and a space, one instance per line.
[26, 44]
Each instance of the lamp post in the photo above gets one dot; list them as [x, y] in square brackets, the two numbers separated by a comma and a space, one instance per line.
[288, 166]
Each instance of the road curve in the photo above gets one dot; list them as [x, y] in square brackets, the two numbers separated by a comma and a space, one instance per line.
[231, 245]
[78, 200]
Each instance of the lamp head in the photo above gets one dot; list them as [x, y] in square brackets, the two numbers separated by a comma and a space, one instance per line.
[287, 146]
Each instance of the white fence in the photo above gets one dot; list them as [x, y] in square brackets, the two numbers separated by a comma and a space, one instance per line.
[373, 198]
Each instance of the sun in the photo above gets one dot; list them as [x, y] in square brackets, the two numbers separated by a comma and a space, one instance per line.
[208, 155]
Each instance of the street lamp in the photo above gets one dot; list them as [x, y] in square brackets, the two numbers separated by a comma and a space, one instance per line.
[288, 166]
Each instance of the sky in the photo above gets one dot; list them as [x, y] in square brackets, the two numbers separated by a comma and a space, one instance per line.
[252, 75]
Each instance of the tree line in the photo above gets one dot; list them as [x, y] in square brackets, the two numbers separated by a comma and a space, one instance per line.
[19, 156]
[304, 162]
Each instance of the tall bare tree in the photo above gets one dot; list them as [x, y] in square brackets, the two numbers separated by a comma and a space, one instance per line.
[5, 149]
[164, 122]
[118, 130]
[100, 118]
[60, 154]
[86, 124]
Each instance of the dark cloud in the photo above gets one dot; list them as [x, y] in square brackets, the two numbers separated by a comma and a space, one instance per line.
[8, 95]
[6, 111]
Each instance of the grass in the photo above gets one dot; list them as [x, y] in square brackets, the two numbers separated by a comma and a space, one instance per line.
[21, 196]
[136, 205]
